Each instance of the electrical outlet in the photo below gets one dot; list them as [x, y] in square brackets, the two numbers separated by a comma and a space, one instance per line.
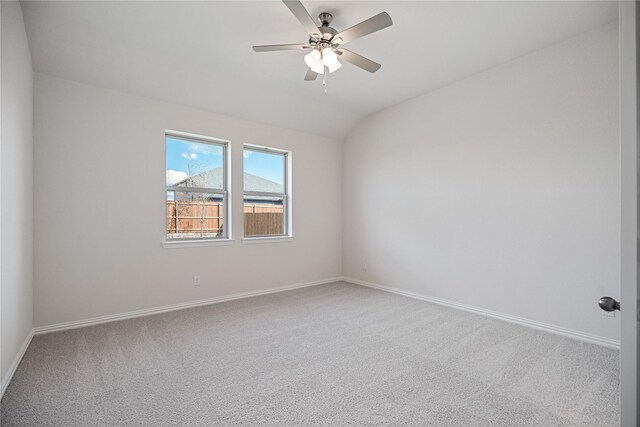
[196, 280]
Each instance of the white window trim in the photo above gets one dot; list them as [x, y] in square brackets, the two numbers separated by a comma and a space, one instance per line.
[227, 239]
[288, 182]
[269, 239]
[178, 244]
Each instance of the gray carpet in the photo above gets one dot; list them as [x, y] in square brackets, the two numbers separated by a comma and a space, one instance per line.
[335, 354]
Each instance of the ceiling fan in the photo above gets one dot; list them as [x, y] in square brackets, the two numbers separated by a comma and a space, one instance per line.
[325, 43]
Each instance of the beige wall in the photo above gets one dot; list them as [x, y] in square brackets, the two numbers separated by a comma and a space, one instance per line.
[500, 191]
[16, 187]
[102, 152]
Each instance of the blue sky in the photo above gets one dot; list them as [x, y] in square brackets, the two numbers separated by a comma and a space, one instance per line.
[265, 165]
[185, 158]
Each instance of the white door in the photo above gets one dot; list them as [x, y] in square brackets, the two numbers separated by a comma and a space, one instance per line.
[629, 221]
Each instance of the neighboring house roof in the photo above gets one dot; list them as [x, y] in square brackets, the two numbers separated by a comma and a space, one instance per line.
[213, 179]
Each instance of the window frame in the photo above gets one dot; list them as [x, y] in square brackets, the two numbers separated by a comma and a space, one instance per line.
[286, 196]
[225, 192]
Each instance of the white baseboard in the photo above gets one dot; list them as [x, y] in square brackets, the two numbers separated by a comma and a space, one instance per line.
[173, 307]
[14, 365]
[570, 333]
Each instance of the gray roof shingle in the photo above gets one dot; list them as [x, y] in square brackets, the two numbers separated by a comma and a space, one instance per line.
[212, 178]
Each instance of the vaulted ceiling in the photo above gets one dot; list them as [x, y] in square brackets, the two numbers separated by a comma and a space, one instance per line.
[199, 53]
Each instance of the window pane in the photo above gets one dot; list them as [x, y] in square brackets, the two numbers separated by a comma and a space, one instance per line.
[263, 216]
[194, 164]
[263, 172]
[194, 215]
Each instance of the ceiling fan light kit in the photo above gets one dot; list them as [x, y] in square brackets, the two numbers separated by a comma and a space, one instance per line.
[318, 59]
[325, 42]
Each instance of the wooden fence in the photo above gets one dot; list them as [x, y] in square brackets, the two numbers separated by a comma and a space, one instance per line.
[206, 219]
[263, 219]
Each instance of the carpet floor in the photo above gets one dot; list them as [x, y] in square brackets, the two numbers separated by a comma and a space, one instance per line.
[335, 354]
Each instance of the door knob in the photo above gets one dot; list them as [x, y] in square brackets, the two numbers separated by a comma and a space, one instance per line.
[609, 304]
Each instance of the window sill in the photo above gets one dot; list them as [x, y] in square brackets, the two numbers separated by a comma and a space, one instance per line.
[255, 240]
[178, 244]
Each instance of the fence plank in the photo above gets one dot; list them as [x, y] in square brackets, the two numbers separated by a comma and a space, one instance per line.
[197, 217]
[194, 217]
[263, 223]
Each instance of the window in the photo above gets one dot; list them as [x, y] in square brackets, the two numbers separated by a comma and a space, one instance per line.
[267, 198]
[196, 188]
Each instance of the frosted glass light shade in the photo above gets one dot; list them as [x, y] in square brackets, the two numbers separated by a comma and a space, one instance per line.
[319, 69]
[313, 59]
[330, 59]
[334, 67]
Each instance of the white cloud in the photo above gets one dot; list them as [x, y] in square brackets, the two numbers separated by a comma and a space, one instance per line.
[190, 156]
[246, 154]
[175, 176]
[195, 147]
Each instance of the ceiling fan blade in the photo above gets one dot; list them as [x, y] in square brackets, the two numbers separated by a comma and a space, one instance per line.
[311, 75]
[303, 16]
[275, 47]
[358, 60]
[371, 25]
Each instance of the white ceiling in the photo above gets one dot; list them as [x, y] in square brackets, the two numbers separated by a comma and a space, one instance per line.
[199, 53]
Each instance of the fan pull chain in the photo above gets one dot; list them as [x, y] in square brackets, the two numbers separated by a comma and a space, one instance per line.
[324, 78]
